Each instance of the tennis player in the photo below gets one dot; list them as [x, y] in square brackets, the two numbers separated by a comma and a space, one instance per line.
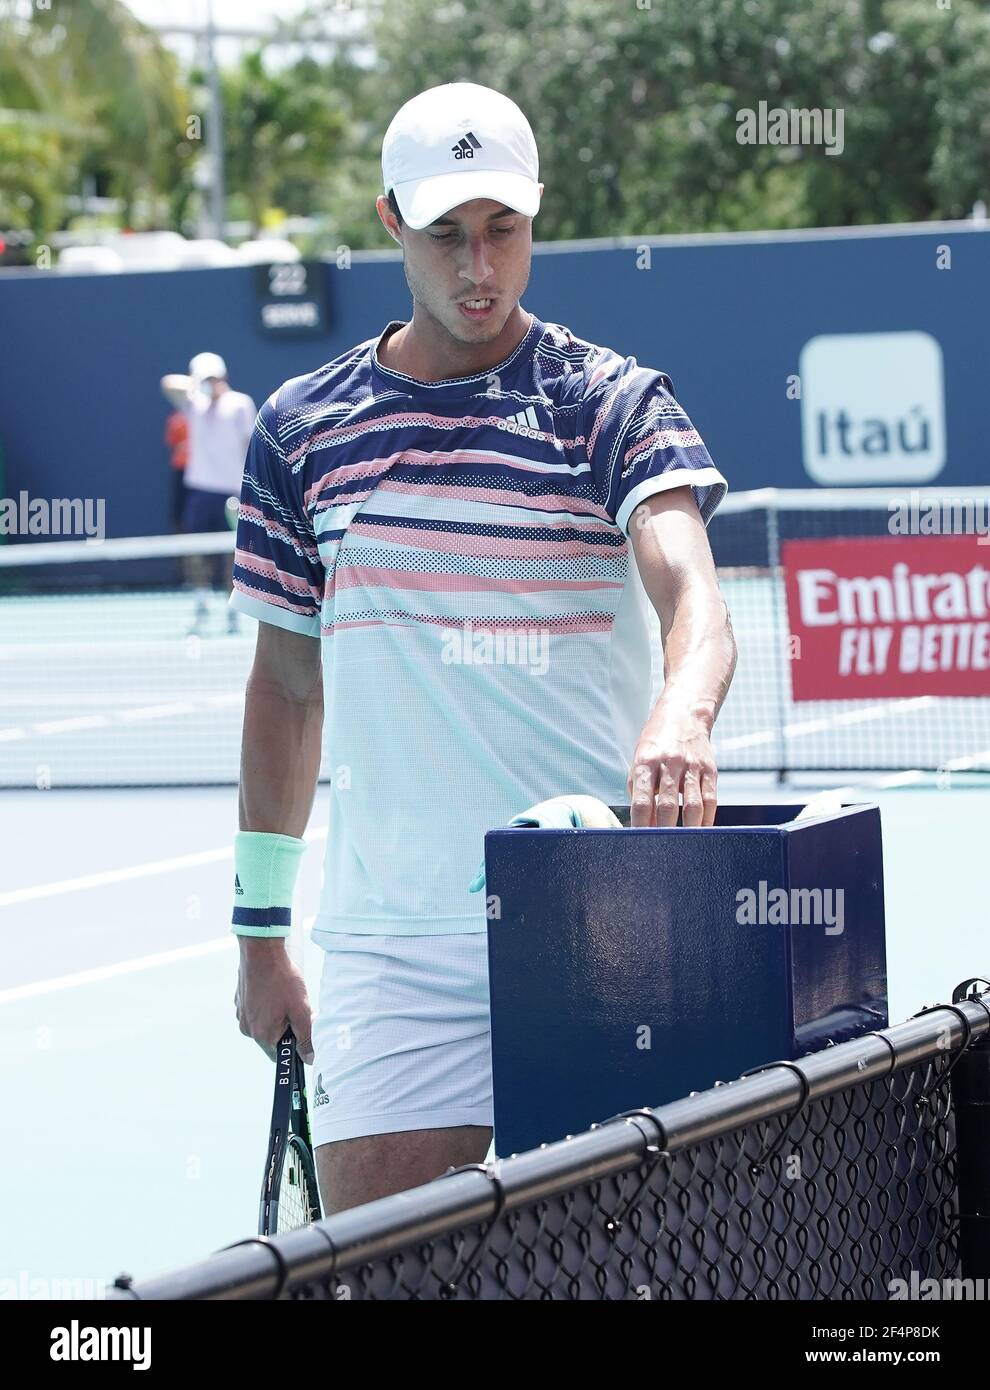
[450, 534]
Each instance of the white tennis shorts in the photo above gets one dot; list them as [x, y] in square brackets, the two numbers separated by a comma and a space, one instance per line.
[402, 1036]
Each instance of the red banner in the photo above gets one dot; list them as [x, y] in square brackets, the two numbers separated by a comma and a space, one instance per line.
[895, 616]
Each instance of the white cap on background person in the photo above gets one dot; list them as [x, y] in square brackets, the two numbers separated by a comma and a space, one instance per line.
[457, 142]
[207, 364]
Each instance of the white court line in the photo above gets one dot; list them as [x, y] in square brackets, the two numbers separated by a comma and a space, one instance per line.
[907, 778]
[809, 726]
[124, 967]
[147, 870]
[100, 880]
[744, 740]
[824, 725]
[894, 707]
[155, 711]
[963, 764]
[68, 726]
[130, 714]
[110, 972]
[902, 779]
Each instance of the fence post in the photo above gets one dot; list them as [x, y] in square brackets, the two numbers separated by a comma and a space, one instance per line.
[781, 650]
[970, 1083]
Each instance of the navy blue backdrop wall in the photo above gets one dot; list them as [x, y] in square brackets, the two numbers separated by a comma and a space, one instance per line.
[893, 389]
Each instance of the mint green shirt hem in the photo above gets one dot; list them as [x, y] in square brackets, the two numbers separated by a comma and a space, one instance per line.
[399, 926]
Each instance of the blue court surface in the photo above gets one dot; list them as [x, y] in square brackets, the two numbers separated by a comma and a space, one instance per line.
[136, 1112]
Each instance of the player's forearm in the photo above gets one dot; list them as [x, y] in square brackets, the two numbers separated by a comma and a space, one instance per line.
[280, 757]
[699, 655]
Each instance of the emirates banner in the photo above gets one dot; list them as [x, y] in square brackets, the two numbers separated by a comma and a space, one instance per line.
[893, 616]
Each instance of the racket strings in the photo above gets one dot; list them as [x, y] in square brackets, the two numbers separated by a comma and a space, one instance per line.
[296, 1196]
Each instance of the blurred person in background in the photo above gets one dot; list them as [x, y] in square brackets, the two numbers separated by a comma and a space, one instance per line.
[177, 443]
[220, 422]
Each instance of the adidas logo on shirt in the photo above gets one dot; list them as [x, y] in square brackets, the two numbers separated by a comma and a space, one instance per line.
[466, 146]
[523, 422]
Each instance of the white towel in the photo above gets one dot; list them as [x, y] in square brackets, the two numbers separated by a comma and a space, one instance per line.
[568, 812]
[826, 803]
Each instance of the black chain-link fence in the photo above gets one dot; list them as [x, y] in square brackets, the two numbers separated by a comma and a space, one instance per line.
[828, 1178]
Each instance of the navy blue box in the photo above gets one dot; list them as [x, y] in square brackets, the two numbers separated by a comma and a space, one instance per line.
[621, 973]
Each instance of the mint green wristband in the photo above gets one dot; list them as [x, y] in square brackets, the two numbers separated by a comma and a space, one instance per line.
[265, 870]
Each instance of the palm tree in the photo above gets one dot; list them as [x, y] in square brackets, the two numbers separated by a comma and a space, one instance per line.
[283, 132]
[91, 95]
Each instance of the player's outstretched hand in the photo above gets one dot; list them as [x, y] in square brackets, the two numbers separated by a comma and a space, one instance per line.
[673, 761]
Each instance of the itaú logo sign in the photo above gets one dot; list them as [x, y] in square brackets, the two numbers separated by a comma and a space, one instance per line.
[872, 408]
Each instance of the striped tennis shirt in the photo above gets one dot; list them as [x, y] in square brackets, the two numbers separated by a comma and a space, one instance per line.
[461, 549]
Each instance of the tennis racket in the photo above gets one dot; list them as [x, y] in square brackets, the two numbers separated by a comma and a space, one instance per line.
[289, 1194]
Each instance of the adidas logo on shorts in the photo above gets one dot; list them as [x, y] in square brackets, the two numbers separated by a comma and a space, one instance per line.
[320, 1096]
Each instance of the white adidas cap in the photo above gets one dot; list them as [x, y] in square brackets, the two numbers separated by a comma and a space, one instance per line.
[457, 142]
[207, 364]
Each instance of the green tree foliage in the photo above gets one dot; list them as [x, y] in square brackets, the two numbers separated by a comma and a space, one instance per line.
[88, 94]
[635, 105]
[283, 131]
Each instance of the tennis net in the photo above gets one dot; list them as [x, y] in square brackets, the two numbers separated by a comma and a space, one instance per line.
[118, 666]
[111, 675]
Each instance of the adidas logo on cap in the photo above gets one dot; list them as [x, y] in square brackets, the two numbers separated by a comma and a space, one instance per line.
[466, 146]
[453, 128]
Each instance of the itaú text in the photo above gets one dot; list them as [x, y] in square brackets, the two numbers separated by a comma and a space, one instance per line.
[827, 599]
